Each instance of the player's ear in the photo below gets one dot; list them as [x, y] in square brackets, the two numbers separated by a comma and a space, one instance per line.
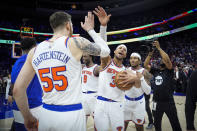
[114, 51]
[68, 26]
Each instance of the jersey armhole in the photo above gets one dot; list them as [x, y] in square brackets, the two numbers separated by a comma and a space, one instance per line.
[106, 66]
[94, 71]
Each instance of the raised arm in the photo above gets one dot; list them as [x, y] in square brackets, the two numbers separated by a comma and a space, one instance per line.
[99, 48]
[103, 19]
[164, 55]
[147, 61]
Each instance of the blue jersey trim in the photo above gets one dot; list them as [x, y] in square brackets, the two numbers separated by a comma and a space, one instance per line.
[105, 99]
[134, 99]
[63, 108]
[89, 92]
[67, 42]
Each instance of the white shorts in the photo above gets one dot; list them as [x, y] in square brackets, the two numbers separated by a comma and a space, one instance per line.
[19, 118]
[135, 111]
[62, 121]
[89, 102]
[109, 114]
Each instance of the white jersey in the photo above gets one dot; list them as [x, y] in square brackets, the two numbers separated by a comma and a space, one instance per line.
[58, 71]
[135, 92]
[7, 87]
[107, 87]
[89, 80]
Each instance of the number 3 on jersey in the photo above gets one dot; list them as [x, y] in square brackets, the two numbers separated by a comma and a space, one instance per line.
[112, 84]
[55, 77]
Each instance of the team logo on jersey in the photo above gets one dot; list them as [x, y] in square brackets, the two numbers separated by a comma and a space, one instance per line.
[119, 128]
[139, 121]
[158, 80]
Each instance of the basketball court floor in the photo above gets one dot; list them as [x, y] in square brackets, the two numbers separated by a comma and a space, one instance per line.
[6, 117]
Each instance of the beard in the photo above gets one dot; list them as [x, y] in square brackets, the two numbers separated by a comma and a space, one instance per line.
[118, 58]
[134, 66]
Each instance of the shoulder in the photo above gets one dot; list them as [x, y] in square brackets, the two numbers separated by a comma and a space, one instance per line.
[79, 40]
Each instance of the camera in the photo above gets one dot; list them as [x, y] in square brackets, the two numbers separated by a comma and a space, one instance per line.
[149, 43]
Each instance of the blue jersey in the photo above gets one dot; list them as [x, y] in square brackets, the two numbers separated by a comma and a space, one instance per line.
[34, 90]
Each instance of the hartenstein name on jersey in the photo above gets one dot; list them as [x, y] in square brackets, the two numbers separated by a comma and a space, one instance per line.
[87, 72]
[51, 55]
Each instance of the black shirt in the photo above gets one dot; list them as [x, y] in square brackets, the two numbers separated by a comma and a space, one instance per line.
[163, 85]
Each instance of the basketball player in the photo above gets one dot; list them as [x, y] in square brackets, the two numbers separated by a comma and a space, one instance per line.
[34, 91]
[90, 71]
[134, 97]
[57, 64]
[109, 107]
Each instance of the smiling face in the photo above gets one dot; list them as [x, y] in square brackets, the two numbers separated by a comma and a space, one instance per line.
[120, 52]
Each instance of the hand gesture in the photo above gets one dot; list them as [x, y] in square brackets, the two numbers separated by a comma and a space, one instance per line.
[89, 22]
[31, 124]
[128, 77]
[156, 44]
[102, 15]
[10, 100]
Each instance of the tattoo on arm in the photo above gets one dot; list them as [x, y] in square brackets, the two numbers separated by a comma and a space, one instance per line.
[87, 46]
[147, 76]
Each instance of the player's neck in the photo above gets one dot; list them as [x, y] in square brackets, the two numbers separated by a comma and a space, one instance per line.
[58, 34]
[117, 61]
[89, 64]
[136, 67]
[24, 52]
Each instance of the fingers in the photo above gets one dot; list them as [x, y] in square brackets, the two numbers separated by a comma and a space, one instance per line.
[102, 10]
[98, 11]
[90, 17]
[97, 14]
[125, 85]
[109, 16]
[123, 82]
[82, 25]
[86, 19]
[122, 75]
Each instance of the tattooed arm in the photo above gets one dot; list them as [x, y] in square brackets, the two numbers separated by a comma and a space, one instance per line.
[145, 82]
[86, 46]
[147, 76]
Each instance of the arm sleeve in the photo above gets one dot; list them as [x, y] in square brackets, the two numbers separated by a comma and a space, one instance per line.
[105, 51]
[145, 87]
[103, 32]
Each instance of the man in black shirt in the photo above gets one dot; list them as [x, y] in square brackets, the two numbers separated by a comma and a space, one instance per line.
[148, 110]
[191, 99]
[163, 88]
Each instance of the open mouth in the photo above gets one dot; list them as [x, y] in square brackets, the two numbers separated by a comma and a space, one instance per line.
[120, 53]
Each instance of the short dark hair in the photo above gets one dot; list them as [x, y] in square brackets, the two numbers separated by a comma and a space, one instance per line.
[58, 19]
[27, 43]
